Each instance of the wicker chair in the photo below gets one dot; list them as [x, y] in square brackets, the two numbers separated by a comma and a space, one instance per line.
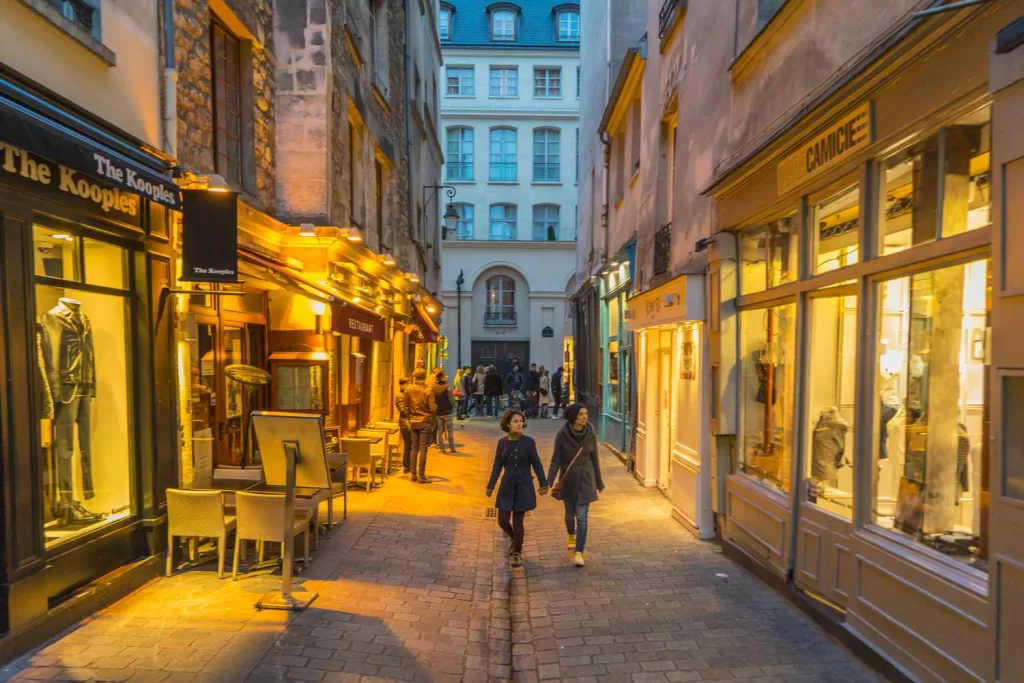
[393, 430]
[381, 449]
[361, 458]
[197, 514]
[261, 519]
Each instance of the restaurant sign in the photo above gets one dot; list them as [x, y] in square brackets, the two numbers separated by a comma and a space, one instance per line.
[356, 322]
[829, 148]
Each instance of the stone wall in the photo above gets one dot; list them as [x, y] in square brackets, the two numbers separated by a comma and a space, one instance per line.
[195, 92]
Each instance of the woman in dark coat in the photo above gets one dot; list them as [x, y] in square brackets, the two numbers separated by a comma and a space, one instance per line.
[516, 454]
[582, 481]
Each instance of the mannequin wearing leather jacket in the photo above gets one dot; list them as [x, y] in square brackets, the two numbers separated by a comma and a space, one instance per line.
[67, 362]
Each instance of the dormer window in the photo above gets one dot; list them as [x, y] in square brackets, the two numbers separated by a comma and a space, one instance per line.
[503, 25]
[444, 21]
[569, 26]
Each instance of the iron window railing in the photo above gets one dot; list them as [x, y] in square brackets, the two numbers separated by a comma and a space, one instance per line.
[500, 318]
[662, 249]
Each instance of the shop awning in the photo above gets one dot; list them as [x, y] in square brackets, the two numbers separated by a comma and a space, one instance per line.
[676, 301]
[289, 278]
[427, 327]
[24, 129]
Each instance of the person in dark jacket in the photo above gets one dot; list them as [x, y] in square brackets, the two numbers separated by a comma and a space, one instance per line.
[533, 390]
[492, 391]
[403, 425]
[556, 390]
[445, 401]
[516, 454]
[580, 479]
[418, 400]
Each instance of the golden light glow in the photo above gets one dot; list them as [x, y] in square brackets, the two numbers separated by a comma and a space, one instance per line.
[431, 309]
[318, 307]
[354, 236]
[388, 260]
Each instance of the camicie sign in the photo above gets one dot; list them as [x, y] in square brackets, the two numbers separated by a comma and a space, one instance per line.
[835, 144]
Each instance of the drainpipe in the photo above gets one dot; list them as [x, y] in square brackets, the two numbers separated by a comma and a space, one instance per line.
[170, 83]
[408, 133]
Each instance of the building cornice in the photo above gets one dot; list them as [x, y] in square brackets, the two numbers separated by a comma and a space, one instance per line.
[506, 114]
[513, 53]
[505, 245]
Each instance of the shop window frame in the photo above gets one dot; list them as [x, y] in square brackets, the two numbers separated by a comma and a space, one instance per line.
[133, 388]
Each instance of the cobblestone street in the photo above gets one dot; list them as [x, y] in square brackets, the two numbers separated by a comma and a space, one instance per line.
[414, 587]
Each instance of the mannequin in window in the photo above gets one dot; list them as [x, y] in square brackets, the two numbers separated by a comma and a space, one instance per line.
[67, 363]
[828, 447]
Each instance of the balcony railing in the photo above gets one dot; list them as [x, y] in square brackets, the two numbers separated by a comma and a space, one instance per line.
[662, 249]
[500, 318]
[670, 9]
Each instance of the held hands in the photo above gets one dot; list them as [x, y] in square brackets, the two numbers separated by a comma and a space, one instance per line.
[543, 490]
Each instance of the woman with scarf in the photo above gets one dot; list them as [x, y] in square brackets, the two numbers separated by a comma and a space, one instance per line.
[517, 455]
[575, 461]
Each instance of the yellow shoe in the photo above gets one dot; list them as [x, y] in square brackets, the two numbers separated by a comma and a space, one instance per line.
[578, 559]
[572, 541]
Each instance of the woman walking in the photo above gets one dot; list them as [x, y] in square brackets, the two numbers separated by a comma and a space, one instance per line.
[575, 461]
[479, 380]
[516, 454]
[460, 396]
[545, 391]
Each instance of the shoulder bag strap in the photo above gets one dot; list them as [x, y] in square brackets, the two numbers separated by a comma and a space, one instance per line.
[572, 462]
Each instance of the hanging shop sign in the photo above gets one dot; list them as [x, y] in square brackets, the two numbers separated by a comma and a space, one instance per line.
[71, 154]
[357, 322]
[829, 148]
[678, 300]
[24, 169]
[209, 236]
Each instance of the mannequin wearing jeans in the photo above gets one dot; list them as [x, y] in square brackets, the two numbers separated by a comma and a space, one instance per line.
[67, 362]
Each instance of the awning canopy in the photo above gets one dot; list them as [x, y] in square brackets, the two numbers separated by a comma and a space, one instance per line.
[289, 278]
[676, 301]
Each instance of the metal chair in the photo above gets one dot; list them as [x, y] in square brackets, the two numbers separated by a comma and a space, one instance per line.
[361, 458]
[261, 519]
[197, 514]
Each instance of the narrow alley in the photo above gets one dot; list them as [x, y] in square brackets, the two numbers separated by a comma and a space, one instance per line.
[414, 587]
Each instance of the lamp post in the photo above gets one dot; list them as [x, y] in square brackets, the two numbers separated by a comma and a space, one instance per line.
[451, 214]
[459, 281]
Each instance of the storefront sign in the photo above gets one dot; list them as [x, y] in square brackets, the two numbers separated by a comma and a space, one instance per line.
[357, 323]
[74, 154]
[832, 146]
[20, 167]
[209, 236]
[548, 331]
[674, 301]
[688, 366]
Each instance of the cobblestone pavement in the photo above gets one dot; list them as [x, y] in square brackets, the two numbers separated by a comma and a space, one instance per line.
[414, 587]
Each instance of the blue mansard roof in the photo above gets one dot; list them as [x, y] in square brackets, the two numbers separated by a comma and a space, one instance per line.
[536, 24]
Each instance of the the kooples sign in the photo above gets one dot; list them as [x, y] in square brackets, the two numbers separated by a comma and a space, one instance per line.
[835, 144]
[19, 164]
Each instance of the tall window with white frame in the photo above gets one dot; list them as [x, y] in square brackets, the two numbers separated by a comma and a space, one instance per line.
[569, 26]
[501, 301]
[227, 102]
[444, 23]
[504, 151]
[459, 159]
[459, 81]
[504, 81]
[464, 225]
[503, 222]
[547, 82]
[546, 153]
[503, 25]
[546, 222]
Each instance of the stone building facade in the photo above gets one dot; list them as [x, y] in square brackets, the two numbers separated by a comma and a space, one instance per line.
[251, 22]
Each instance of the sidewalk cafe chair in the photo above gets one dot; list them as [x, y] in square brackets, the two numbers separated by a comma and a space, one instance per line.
[394, 443]
[381, 449]
[360, 458]
[197, 514]
[261, 519]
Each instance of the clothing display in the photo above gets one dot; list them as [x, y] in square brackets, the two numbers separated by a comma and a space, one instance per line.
[67, 363]
[761, 366]
[886, 413]
[828, 447]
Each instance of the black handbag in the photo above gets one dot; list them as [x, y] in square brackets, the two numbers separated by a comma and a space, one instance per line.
[556, 488]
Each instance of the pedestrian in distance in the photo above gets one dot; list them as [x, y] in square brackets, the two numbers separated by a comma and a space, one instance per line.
[544, 389]
[460, 395]
[533, 389]
[467, 390]
[479, 389]
[419, 402]
[517, 455]
[492, 391]
[444, 399]
[403, 425]
[576, 463]
[556, 390]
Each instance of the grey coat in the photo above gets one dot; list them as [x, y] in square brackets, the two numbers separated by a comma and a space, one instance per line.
[582, 482]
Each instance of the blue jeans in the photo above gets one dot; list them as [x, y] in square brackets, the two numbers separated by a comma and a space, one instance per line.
[576, 522]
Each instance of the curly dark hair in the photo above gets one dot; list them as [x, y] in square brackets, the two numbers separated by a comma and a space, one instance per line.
[506, 419]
